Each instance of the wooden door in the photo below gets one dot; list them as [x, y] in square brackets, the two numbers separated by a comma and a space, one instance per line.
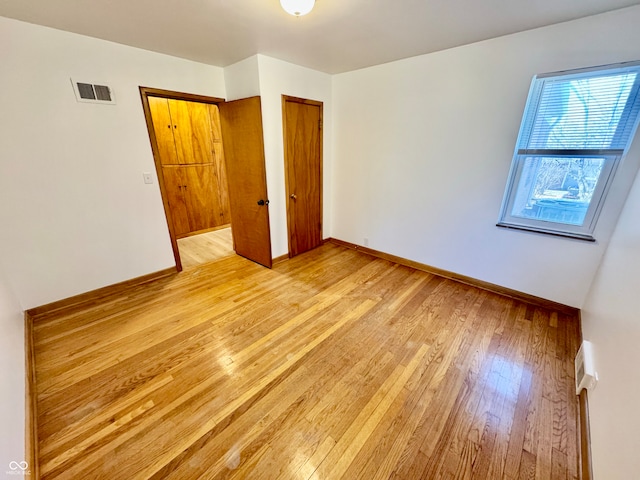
[200, 190]
[192, 131]
[174, 187]
[214, 116]
[163, 128]
[302, 127]
[221, 171]
[241, 122]
[223, 189]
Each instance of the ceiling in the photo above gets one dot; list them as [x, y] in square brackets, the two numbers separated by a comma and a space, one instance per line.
[337, 36]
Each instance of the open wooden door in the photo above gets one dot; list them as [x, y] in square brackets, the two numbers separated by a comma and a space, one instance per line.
[302, 127]
[241, 122]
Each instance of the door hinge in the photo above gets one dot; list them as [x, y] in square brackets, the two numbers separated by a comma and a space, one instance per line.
[319, 124]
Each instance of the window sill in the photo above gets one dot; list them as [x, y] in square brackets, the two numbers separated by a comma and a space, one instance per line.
[575, 236]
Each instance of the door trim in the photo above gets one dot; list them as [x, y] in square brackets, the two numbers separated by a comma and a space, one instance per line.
[145, 93]
[316, 103]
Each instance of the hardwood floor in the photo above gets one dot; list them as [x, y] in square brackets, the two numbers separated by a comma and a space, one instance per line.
[333, 365]
[205, 247]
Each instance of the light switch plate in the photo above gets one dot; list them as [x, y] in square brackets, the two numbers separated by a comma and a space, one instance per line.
[148, 179]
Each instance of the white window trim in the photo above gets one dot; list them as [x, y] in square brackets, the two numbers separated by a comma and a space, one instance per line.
[582, 232]
[612, 157]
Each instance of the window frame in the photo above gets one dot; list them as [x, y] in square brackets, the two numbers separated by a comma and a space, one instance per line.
[612, 158]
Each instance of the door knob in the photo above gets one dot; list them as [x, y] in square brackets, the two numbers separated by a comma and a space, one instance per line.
[262, 202]
[293, 196]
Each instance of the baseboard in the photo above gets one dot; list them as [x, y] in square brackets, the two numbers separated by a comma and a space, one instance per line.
[585, 437]
[280, 259]
[584, 440]
[31, 411]
[94, 295]
[507, 292]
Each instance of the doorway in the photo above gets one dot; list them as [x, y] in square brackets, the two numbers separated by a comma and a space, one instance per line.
[302, 130]
[198, 194]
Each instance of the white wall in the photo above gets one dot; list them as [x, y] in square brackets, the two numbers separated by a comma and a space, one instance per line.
[12, 375]
[422, 149]
[242, 79]
[74, 210]
[279, 78]
[611, 321]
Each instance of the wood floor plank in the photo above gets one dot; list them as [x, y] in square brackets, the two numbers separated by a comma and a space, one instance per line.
[206, 247]
[453, 438]
[414, 461]
[527, 469]
[332, 365]
[348, 446]
[393, 434]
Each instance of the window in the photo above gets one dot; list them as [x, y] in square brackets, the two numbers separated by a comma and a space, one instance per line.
[576, 128]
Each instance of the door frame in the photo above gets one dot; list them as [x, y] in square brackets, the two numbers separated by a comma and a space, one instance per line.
[316, 103]
[145, 93]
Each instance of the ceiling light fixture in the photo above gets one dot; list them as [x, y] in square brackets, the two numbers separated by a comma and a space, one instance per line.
[297, 7]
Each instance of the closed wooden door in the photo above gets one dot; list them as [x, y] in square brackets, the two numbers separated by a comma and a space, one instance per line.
[201, 196]
[214, 116]
[302, 126]
[223, 188]
[174, 182]
[241, 122]
[184, 133]
[192, 131]
[218, 155]
[163, 129]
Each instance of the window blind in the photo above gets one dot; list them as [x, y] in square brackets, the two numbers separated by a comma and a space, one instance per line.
[585, 111]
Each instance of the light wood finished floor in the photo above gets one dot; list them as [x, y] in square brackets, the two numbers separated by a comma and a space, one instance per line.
[206, 247]
[333, 365]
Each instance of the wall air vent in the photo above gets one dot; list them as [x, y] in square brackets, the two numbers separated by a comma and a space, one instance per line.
[93, 93]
